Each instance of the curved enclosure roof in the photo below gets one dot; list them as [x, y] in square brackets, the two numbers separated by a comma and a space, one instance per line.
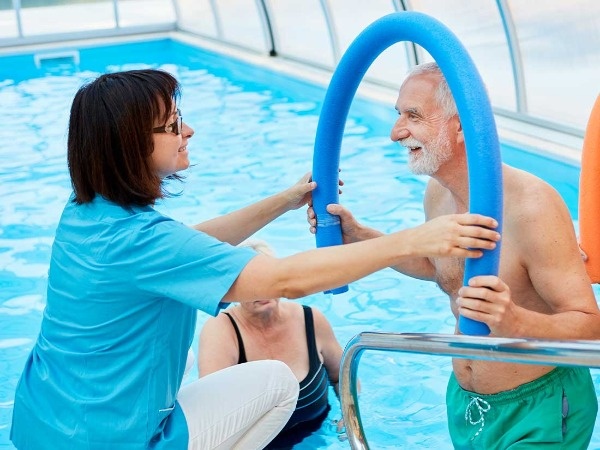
[540, 60]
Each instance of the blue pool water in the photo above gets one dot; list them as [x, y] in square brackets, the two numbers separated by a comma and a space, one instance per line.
[254, 136]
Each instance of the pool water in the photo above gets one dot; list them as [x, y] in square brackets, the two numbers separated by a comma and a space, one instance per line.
[254, 136]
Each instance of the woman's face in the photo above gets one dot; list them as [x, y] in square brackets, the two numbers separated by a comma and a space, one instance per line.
[170, 153]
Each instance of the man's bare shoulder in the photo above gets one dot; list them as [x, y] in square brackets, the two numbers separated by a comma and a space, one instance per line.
[534, 213]
[435, 199]
[525, 191]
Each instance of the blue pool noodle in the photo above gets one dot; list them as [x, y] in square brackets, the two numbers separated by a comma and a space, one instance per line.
[477, 119]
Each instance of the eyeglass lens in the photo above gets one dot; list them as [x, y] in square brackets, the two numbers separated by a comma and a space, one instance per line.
[175, 127]
[178, 124]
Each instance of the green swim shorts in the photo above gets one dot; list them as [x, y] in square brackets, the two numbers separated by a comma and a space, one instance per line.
[556, 411]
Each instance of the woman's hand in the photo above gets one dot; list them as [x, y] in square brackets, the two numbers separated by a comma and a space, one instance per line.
[458, 235]
[300, 193]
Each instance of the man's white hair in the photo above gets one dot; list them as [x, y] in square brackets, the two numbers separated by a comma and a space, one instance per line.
[443, 95]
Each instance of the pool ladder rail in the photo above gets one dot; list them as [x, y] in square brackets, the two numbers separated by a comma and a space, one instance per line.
[532, 351]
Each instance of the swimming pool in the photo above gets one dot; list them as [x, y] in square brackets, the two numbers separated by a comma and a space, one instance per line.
[254, 135]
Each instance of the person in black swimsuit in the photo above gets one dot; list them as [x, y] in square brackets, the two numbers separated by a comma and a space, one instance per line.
[298, 335]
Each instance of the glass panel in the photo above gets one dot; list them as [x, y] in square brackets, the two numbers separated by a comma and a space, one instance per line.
[479, 28]
[197, 16]
[241, 24]
[8, 20]
[48, 16]
[306, 38]
[559, 47]
[145, 12]
[392, 64]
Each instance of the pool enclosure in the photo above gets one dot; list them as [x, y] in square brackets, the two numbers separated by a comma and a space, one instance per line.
[539, 59]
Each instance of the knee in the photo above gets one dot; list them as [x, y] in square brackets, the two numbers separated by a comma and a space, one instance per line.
[280, 377]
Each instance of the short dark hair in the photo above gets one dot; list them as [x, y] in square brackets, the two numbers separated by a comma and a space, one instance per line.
[110, 136]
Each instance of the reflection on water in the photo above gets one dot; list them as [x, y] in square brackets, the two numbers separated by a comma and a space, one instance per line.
[252, 139]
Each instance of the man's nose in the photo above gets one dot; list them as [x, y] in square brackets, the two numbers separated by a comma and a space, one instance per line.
[399, 131]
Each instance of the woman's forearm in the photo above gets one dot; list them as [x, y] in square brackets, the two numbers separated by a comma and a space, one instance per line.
[417, 267]
[326, 268]
[239, 225]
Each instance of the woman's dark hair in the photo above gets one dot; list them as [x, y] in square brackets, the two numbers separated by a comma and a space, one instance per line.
[110, 136]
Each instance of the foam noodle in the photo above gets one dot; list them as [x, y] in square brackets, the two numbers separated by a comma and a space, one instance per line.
[483, 148]
[589, 195]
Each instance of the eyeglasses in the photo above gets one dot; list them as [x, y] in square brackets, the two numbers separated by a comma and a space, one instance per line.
[174, 127]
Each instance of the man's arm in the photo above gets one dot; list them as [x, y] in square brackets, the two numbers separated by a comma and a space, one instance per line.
[544, 236]
[353, 231]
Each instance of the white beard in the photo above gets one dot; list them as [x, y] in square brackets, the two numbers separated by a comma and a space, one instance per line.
[431, 157]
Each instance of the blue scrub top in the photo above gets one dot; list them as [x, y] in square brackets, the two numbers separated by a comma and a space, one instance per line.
[124, 287]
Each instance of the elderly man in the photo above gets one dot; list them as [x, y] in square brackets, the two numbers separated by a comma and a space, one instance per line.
[542, 290]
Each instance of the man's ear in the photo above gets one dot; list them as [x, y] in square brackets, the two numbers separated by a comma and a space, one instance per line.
[460, 137]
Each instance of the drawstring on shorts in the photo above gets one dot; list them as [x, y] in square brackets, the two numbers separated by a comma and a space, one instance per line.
[482, 407]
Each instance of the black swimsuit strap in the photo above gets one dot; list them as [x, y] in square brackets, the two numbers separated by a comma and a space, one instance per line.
[311, 341]
[242, 358]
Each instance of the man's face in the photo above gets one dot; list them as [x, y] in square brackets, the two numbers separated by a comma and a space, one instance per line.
[422, 127]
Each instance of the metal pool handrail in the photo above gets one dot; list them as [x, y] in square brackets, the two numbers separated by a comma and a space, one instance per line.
[531, 351]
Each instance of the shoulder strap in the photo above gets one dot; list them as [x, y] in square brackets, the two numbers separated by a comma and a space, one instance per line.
[311, 340]
[242, 358]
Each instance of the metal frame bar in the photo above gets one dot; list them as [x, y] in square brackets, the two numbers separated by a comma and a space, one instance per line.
[217, 18]
[530, 351]
[116, 14]
[333, 36]
[116, 31]
[177, 10]
[55, 38]
[512, 41]
[410, 48]
[264, 10]
[17, 8]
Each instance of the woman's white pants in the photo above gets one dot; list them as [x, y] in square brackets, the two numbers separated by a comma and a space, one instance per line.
[242, 407]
